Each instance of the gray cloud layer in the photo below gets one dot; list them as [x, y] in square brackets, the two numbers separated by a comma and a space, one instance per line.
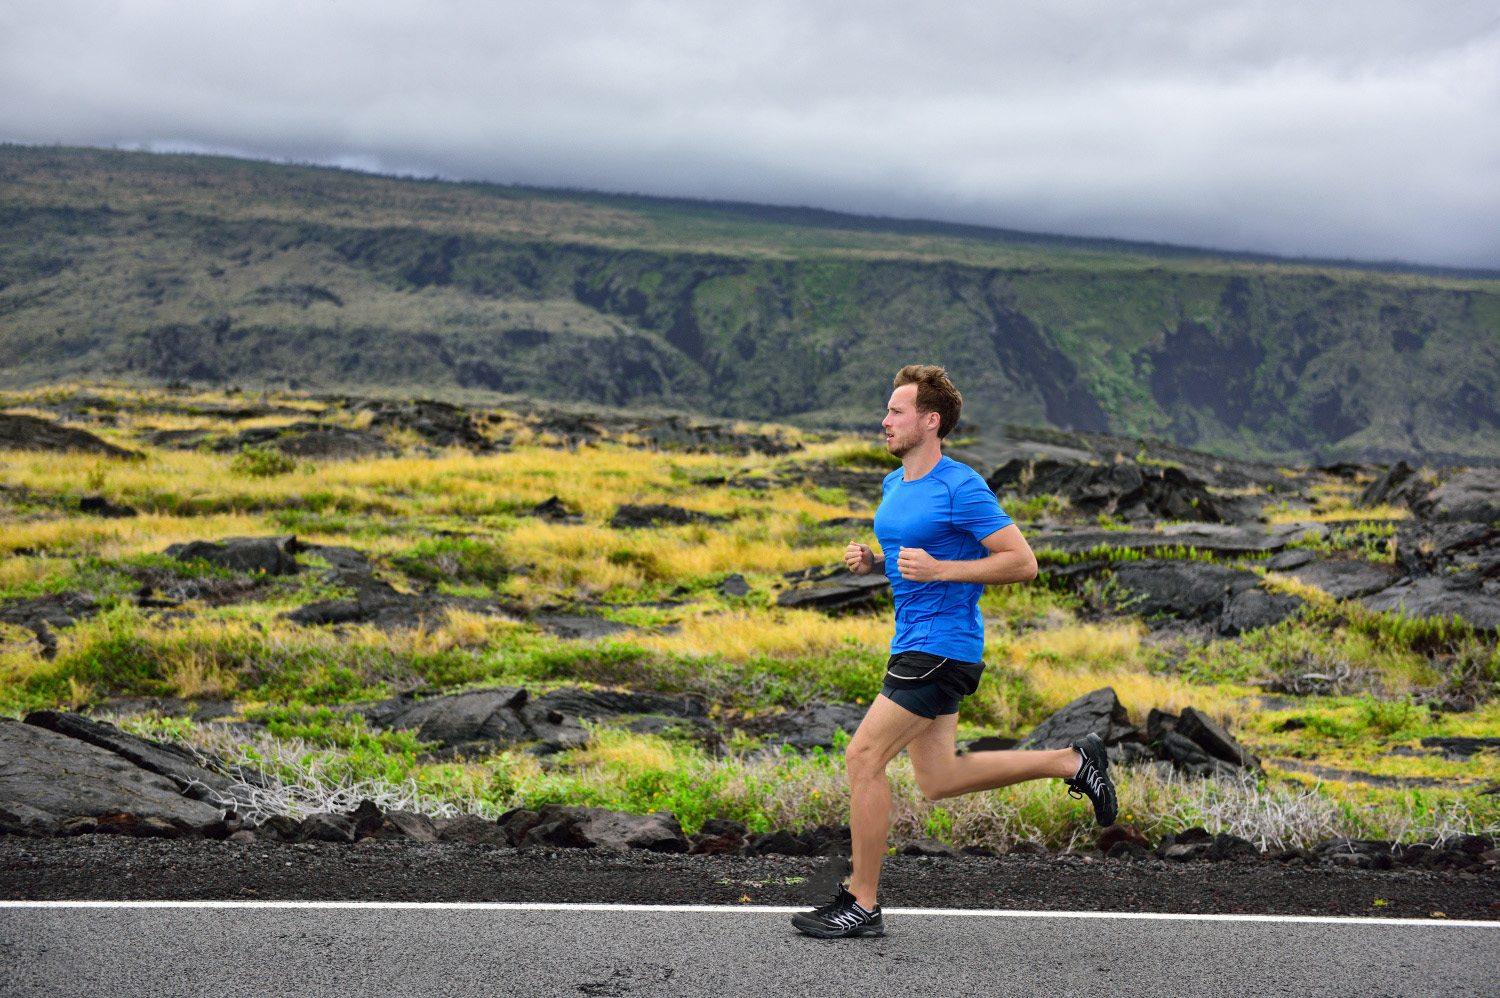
[1365, 130]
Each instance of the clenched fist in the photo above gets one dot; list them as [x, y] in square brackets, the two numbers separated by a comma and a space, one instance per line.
[859, 558]
[916, 565]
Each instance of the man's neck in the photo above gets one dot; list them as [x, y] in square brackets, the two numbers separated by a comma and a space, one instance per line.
[920, 460]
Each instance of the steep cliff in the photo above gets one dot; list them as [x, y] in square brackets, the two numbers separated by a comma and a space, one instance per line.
[141, 267]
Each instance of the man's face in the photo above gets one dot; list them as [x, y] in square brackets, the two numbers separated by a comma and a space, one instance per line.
[905, 427]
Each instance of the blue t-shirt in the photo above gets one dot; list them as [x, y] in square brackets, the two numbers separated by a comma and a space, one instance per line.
[945, 513]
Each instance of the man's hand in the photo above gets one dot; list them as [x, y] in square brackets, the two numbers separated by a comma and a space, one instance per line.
[916, 565]
[859, 558]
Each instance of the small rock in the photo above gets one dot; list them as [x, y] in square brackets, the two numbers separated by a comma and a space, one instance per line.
[1119, 832]
[1470, 494]
[927, 847]
[655, 514]
[471, 828]
[325, 826]
[1354, 860]
[1213, 739]
[1399, 485]
[271, 555]
[1128, 850]
[1098, 711]
[554, 509]
[804, 727]
[1228, 846]
[100, 506]
[834, 590]
[718, 836]
[1254, 608]
[734, 585]
[366, 819]
[408, 825]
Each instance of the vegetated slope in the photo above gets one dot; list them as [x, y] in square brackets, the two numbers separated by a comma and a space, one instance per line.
[148, 267]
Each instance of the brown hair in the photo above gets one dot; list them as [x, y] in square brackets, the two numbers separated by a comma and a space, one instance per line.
[935, 393]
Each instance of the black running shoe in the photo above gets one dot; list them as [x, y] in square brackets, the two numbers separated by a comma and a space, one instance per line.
[1093, 779]
[840, 917]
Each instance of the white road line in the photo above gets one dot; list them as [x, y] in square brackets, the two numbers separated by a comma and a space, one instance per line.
[778, 909]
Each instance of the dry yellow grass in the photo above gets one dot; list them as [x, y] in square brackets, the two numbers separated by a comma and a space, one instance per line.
[119, 538]
[597, 479]
[1065, 663]
[1277, 582]
[1140, 691]
[1079, 647]
[1273, 514]
[132, 397]
[22, 570]
[779, 633]
[596, 558]
[194, 673]
[458, 629]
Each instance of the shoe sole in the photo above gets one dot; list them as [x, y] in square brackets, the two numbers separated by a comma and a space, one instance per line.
[822, 933]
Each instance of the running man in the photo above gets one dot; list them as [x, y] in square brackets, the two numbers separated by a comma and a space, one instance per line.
[944, 538]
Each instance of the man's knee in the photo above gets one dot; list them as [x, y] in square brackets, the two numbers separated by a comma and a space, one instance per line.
[863, 762]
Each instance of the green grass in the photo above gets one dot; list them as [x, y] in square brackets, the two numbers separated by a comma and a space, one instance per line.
[462, 559]
[448, 523]
[1368, 540]
[262, 462]
[865, 456]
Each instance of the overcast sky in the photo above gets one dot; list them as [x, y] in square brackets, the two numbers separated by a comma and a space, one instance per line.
[1367, 130]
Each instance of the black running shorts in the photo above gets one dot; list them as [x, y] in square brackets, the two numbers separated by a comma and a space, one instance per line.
[929, 685]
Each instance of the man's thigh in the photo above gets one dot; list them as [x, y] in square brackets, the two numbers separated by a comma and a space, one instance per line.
[932, 752]
[886, 729]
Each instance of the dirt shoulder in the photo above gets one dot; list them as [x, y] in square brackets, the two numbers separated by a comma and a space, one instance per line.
[112, 867]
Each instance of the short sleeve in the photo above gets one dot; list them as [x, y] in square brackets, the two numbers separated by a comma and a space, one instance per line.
[976, 511]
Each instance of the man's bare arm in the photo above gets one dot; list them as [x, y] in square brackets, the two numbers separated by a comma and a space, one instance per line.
[1010, 560]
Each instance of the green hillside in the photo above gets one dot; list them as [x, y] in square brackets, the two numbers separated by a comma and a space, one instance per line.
[150, 268]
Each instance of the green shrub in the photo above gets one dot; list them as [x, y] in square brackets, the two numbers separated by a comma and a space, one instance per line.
[833, 496]
[1423, 635]
[1388, 717]
[1033, 507]
[455, 559]
[1372, 541]
[865, 456]
[262, 462]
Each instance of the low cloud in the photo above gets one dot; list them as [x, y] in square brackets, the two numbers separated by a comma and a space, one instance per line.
[1365, 131]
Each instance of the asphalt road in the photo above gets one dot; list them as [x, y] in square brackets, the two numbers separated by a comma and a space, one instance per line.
[357, 948]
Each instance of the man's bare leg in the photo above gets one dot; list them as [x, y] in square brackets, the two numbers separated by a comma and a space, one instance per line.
[941, 772]
[885, 730]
